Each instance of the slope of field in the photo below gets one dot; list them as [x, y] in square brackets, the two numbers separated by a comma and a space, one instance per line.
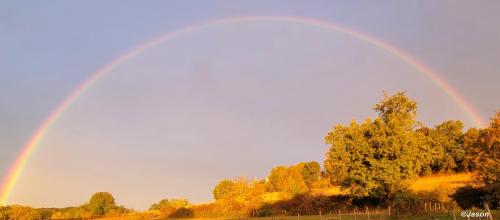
[448, 181]
[445, 183]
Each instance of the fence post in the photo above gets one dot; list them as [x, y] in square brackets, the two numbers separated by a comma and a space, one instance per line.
[340, 217]
[454, 217]
[487, 208]
[389, 211]
[367, 212]
[298, 216]
[320, 216]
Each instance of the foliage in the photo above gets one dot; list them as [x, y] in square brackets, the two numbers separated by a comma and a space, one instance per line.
[489, 160]
[20, 212]
[445, 147]
[4, 212]
[182, 213]
[311, 173]
[172, 203]
[406, 202]
[472, 149]
[468, 197]
[378, 157]
[224, 189]
[286, 179]
[101, 203]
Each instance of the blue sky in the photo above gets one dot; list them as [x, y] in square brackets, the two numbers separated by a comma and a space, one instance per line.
[47, 49]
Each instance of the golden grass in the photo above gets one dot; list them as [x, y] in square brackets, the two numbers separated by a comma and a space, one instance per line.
[448, 182]
[276, 196]
[332, 191]
[442, 181]
[422, 184]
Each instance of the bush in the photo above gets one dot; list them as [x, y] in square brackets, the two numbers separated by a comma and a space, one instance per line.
[406, 202]
[441, 194]
[182, 213]
[468, 197]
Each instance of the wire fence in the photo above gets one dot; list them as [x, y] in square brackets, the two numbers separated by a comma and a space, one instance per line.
[427, 211]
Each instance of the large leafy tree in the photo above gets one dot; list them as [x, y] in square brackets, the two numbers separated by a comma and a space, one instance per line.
[472, 149]
[224, 189]
[287, 179]
[170, 203]
[239, 196]
[378, 157]
[101, 203]
[21, 212]
[488, 166]
[311, 172]
[446, 146]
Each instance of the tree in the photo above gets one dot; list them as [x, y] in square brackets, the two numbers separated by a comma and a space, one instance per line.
[101, 203]
[446, 142]
[224, 189]
[23, 212]
[287, 179]
[238, 197]
[397, 111]
[172, 203]
[311, 172]
[489, 163]
[472, 149]
[378, 157]
[4, 213]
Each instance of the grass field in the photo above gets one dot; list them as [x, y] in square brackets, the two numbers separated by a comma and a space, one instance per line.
[344, 216]
[438, 216]
[448, 183]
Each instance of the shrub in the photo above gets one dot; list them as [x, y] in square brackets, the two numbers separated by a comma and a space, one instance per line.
[406, 202]
[183, 213]
[468, 197]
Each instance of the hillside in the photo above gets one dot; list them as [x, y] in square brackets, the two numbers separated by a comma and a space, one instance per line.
[447, 183]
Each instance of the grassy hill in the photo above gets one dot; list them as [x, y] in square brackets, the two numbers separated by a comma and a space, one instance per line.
[447, 183]
[436, 182]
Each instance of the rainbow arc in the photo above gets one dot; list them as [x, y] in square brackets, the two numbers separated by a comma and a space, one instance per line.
[31, 145]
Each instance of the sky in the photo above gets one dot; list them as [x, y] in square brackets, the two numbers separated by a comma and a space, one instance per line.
[223, 101]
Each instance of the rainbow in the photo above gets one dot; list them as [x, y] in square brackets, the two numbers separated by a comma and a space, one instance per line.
[17, 166]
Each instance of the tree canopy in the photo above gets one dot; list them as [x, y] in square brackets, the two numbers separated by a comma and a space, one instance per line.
[378, 157]
[101, 203]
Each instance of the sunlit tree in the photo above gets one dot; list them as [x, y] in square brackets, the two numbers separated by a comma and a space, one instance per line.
[286, 179]
[101, 203]
[447, 138]
[378, 157]
[224, 189]
[489, 160]
[311, 172]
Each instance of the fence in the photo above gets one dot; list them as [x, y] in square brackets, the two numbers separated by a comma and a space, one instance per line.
[428, 210]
